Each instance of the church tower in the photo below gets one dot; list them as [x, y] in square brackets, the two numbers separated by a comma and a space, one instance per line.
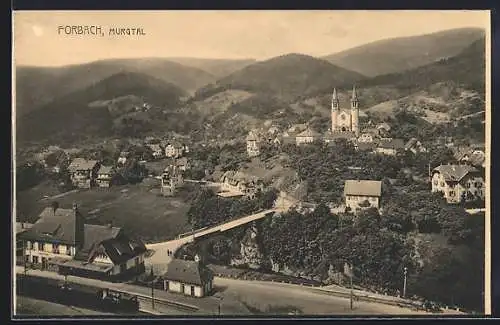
[335, 109]
[354, 112]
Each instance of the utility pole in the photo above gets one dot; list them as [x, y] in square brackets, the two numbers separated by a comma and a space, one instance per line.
[404, 283]
[152, 289]
[220, 302]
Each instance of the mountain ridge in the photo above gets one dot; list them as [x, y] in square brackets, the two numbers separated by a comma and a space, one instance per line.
[404, 53]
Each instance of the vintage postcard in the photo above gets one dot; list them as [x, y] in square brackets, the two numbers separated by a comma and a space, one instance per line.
[251, 163]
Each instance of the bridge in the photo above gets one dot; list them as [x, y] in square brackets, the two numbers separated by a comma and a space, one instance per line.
[160, 258]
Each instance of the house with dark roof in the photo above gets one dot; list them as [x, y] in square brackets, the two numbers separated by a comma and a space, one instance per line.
[105, 176]
[389, 146]
[83, 172]
[362, 194]
[61, 240]
[458, 183]
[191, 278]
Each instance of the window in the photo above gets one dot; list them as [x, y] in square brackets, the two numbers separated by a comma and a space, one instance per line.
[452, 193]
[480, 193]
[478, 184]
[28, 245]
[442, 184]
[55, 248]
[68, 250]
[27, 258]
[435, 182]
[35, 259]
[467, 185]
[42, 246]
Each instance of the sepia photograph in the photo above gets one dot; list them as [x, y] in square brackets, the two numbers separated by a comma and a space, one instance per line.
[251, 163]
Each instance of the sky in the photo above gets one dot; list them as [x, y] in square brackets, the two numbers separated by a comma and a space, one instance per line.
[218, 34]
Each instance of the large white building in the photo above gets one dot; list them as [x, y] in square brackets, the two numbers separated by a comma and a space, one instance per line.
[458, 183]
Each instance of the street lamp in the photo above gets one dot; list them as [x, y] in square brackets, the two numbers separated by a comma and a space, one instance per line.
[404, 283]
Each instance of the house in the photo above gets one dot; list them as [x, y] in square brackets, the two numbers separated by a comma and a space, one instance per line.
[307, 136]
[362, 194]
[458, 183]
[183, 163]
[238, 181]
[83, 172]
[191, 278]
[366, 138]
[122, 159]
[471, 155]
[105, 176]
[174, 150]
[157, 150]
[171, 180]
[389, 146]
[60, 240]
[253, 144]
[414, 146]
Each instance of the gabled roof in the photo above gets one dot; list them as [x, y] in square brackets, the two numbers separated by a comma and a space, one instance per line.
[82, 164]
[363, 187]
[105, 170]
[155, 147]
[309, 133]
[392, 144]
[189, 272]
[59, 227]
[454, 173]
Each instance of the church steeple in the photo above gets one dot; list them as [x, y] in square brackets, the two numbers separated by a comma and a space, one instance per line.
[354, 97]
[335, 100]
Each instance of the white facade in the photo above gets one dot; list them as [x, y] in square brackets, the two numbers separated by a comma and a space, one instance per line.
[253, 148]
[454, 191]
[37, 252]
[353, 201]
[187, 289]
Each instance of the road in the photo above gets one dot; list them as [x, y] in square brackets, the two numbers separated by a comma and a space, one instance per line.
[240, 297]
[59, 195]
[160, 258]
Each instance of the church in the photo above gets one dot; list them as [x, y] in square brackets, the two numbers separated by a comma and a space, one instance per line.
[345, 121]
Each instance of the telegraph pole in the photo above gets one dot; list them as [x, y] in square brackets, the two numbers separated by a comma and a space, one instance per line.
[404, 283]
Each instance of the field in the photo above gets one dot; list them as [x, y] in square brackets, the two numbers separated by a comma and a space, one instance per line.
[161, 218]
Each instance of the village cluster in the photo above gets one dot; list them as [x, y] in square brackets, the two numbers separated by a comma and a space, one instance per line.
[63, 241]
